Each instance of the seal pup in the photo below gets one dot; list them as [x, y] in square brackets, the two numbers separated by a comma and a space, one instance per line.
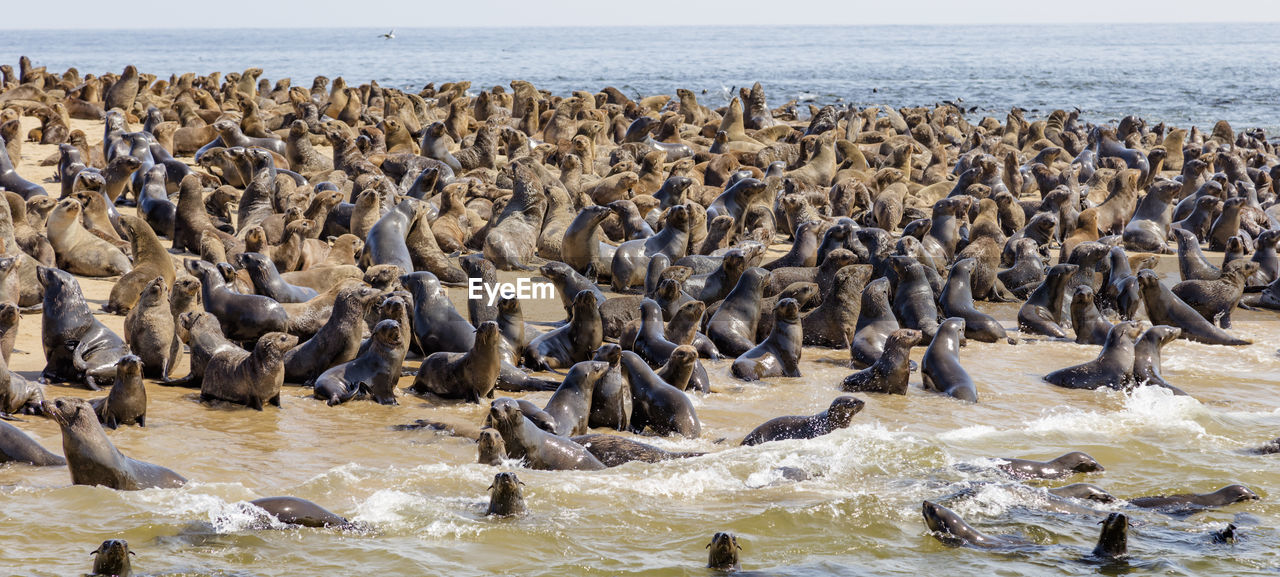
[1062, 466]
[492, 450]
[722, 552]
[507, 499]
[126, 404]
[1042, 314]
[837, 416]
[949, 529]
[375, 372]
[779, 354]
[538, 448]
[890, 372]
[957, 301]
[18, 447]
[1112, 368]
[657, 405]
[1166, 308]
[940, 366]
[112, 557]
[248, 378]
[91, 457]
[570, 406]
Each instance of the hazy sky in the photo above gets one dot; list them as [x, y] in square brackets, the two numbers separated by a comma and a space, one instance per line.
[30, 14]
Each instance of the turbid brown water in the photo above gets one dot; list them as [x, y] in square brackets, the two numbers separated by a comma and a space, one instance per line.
[422, 497]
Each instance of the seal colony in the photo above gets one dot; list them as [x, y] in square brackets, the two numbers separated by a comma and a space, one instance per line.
[684, 242]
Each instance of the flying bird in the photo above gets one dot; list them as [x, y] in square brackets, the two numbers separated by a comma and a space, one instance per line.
[389, 35]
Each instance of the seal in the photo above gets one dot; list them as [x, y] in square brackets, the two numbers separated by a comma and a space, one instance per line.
[957, 301]
[572, 343]
[631, 259]
[1165, 308]
[1063, 466]
[91, 457]
[150, 260]
[1042, 314]
[1228, 495]
[611, 399]
[876, 322]
[149, 329]
[722, 552]
[581, 246]
[204, 335]
[1090, 327]
[252, 379]
[507, 499]
[470, 376]
[112, 556]
[17, 447]
[1084, 492]
[338, 341]
[295, 511]
[837, 416]
[1216, 299]
[889, 373]
[1146, 356]
[375, 372]
[779, 354]
[492, 449]
[914, 302]
[80, 251]
[538, 448]
[949, 529]
[77, 347]
[613, 450]
[242, 317]
[570, 405]
[940, 366]
[267, 281]
[733, 326]
[513, 235]
[437, 326]
[1114, 540]
[1112, 368]
[657, 405]
[126, 404]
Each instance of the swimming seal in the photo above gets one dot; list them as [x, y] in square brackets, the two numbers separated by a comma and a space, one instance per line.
[779, 354]
[17, 447]
[91, 457]
[539, 449]
[837, 416]
[1190, 501]
[940, 366]
[126, 404]
[248, 378]
[890, 372]
[295, 511]
[722, 552]
[112, 557]
[613, 450]
[1062, 466]
[1112, 368]
[1114, 540]
[77, 346]
[375, 372]
[492, 450]
[507, 499]
[951, 530]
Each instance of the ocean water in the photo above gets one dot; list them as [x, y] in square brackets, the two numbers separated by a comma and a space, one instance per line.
[1185, 74]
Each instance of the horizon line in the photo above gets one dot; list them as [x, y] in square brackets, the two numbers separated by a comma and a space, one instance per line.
[677, 25]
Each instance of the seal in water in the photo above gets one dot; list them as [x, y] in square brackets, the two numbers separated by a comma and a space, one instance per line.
[126, 404]
[1042, 313]
[613, 450]
[657, 405]
[538, 448]
[949, 529]
[779, 354]
[837, 416]
[570, 406]
[375, 372]
[723, 552]
[91, 457]
[112, 557]
[940, 366]
[492, 449]
[295, 511]
[507, 499]
[1165, 308]
[1191, 501]
[1114, 540]
[1112, 368]
[17, 447]
[890, 372]
[1063, 466]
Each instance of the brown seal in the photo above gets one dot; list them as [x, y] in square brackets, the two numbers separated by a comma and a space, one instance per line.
[126, 404]
[79, 251]
[244, 378]
[150, 260]
[838, 416]
[149, 329]
[91, 457]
